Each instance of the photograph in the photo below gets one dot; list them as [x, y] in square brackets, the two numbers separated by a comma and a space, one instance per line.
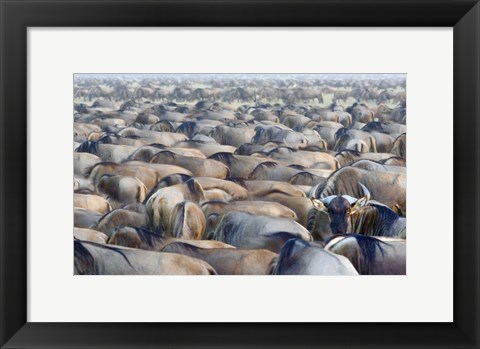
[239, 174]
[263, 143]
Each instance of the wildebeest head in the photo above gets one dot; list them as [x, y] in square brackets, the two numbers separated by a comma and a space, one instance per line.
[340, 207]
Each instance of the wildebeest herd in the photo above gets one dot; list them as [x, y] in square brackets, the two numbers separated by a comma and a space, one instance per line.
[239, 174]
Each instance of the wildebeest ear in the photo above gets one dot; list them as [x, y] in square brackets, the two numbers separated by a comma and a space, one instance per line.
[319, 205]
[359, 204]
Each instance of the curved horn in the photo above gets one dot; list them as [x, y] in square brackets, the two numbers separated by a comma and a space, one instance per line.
[366, 192]
[350, 199]
[328, 199]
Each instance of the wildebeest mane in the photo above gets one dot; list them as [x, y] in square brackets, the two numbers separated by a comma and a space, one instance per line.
[114, 249]
[107, 247]
[317, 189]
[282, 235]
[224, 157]
[187, 128]
[374, 126]
[282, 261]
[350, 152]
[191, 186]
[167, 152]
[88, 147]
[259, 130]
[368, 160]
[169, 179]
[311, 219]
[273, 151]
[214, 202]
[168, 126]
[185, 247]
[341, 132]
[239, 181]
[383, 161]
[333, 237]
[303, 173]
[105, 139]
[148, 237]
[157, 145]
[316, 148]
[84, 263]
[297, 167]
[403, 134]
[106, 214]
[374, 220]
[368, 247]
[241, 150]
[85, 191]
[133, 137]
[267, 164]
[332, 106]
[342, 139]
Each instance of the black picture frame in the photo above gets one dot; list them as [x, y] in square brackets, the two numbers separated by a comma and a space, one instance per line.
[18, 15]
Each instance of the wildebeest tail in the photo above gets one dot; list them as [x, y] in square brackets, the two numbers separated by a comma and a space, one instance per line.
[273, 264]
[210, 270]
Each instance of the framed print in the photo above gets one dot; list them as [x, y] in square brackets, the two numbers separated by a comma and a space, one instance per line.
[269, 140]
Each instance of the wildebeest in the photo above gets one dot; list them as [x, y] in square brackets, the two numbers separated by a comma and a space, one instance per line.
[375, 166]
[148, 174]
[162, 203]
[94, 259]
[90, 235]
[361, 112]
[199, 167]
[371, 256]
[188, 221]
[166, 138]
[348, 156]
[144, 239]
[239, 166]
[236, 191]
[260, 188]
[361, 216]
[304, 158]
[399, 146]
[234, 136]
[227, 261]
[299, 257]
[83, 218]
[122, 218]
[261, 208]
[245, 230]
[265, 134]
[83, 162]
[106, 152]
[91, 202]
[339, 209]
[123, 190]
[385, 187]
[357, 140]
